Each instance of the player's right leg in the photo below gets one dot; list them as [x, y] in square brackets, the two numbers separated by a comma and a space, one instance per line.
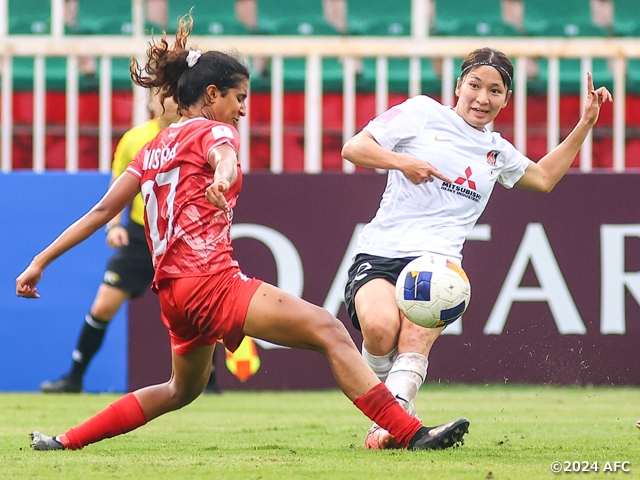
[190, 373]
[284, 319]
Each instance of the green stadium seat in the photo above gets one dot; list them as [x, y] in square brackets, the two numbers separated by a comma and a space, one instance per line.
[379, 17]
[95, 17]
[571, 76]
[398, 76]
[471, 18]
[55, 73]
[29, 17]
[294, 17]
[633, 75]
[295, 73]
[565, 18]
[209, 18]
[626, 18]
[120, 75]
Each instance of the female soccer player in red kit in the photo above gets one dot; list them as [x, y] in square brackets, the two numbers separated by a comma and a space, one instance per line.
[190, 178]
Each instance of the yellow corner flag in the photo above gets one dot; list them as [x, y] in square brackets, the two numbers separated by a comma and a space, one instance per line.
[244, 362]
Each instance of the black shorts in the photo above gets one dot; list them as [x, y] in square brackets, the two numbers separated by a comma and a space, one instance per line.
[130, 269]
[365, 268]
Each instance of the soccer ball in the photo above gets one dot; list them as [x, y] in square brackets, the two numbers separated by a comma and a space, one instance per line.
[433, 291]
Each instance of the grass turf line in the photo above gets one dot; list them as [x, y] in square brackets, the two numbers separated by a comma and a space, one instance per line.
[516, 432]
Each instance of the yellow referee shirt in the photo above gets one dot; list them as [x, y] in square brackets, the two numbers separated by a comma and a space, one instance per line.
[130, 143]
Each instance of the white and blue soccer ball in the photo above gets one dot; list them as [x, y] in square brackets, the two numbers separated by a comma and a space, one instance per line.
[433, 291]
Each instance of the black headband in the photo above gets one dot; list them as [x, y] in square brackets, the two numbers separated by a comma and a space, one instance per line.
[497, 66]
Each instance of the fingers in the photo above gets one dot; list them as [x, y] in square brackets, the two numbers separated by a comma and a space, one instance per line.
[442, 177]
[602, 94]
[215, 196]
[26, 291]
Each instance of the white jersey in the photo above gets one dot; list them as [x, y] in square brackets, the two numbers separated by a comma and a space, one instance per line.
[435, 216]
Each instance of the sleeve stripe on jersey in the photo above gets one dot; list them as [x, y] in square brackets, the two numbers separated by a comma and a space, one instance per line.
[222, 141]
[133, 171]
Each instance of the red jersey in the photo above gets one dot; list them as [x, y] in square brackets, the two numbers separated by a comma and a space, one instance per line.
[187, 235]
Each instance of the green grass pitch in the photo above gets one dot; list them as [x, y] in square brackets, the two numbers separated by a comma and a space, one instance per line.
[516, 432]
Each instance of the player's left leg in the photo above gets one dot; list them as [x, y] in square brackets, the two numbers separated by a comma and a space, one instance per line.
[406, 376]
[189, 376]
[409, 371]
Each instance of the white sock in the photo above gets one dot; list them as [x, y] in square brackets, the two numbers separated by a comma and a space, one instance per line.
[406, 376]
[380, 365]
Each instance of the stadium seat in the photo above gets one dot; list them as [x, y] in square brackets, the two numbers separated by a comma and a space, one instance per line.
[379, 17]
[398, 76]
[209, 18]
[294, 76]
[626, 18]
[471, 18]
[55, 73]
[633, 75]
[120, 75]
[114, 17]
[29, 17]
[570, 75]
[298, 17]
[566, 18]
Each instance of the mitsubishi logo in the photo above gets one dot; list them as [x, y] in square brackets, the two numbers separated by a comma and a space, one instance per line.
[461, 180]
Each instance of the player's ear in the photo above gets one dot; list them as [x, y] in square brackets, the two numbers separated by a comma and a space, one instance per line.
[211, 92]
[506, 100]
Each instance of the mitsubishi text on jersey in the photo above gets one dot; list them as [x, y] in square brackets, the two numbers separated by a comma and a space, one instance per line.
[436, 216]
[187, 235]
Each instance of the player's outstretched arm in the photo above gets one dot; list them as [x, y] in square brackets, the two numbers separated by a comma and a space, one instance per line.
[364, 151]
[546, 173]
[119, 195]
[224, 161]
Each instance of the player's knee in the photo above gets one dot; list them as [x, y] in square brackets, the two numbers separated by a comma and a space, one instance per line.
[332, 331]
[182, 394]
[384, 335]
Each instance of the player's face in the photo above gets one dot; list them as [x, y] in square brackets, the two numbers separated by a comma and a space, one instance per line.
[232, 106]
[481, 95]
[170, 111]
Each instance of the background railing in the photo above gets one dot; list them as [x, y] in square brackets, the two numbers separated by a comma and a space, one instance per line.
[273, 51]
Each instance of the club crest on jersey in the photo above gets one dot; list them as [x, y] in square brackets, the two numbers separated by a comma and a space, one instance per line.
[492, 157]
[463, 186]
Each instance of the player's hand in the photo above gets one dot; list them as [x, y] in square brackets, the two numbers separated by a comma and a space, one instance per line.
[595, 99]
[420, 171]
[215, 194]
[117, 237]
[26, 282]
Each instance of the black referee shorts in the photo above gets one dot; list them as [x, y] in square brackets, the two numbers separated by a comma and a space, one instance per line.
[364, 269]
[130, 269]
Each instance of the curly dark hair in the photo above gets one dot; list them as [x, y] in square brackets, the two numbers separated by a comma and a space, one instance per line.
[167, 69]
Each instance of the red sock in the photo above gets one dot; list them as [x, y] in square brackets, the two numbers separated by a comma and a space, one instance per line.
[120, 417]
[380, 406]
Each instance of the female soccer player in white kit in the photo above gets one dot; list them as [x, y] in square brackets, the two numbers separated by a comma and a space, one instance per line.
[442, 166]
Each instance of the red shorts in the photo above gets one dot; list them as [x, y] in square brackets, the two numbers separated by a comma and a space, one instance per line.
[202, 310]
